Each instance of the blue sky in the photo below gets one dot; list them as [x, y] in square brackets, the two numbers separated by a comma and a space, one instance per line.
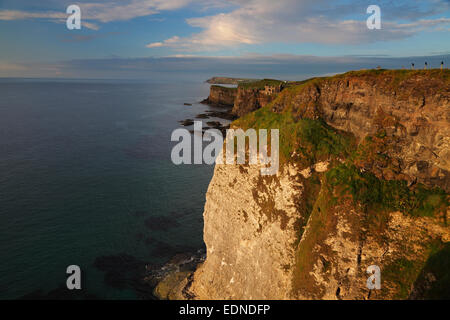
[125, 39]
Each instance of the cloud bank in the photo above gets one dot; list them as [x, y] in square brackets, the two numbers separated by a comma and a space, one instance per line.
[254, 22]
[307, 21]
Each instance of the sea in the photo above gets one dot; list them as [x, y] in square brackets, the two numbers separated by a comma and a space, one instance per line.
[86, 179]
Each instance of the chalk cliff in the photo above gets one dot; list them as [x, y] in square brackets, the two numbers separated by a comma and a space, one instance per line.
[364, 180]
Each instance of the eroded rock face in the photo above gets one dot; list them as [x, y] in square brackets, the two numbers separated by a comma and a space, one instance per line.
[248, 100]
[250, 233]
[220, 96]
[352, 241]
[414, 111]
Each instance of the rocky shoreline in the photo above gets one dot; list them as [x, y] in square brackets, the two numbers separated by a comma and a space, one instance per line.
[225, 113]
[172, 280]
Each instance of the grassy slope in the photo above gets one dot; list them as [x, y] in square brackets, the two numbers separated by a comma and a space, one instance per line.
[260, 84]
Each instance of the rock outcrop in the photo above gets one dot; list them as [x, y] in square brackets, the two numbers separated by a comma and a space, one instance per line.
[364, 181]
[220, 96]
[247, 97]
[253, 96]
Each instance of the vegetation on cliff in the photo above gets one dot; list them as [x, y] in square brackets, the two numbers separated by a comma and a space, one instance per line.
[260, 84]
[304, 140]
[363, 176]
[364, 180]
[228, 80]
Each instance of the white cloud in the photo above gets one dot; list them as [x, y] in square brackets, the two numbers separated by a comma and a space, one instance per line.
[250, 22]
[107, 11]
[21, 15]
[292, 21]
[168, 42]
[155, 45]
[89, 25]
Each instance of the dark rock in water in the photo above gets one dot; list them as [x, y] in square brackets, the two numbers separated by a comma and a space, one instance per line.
[161, 223]
[224, 129]
[177, 271]
[187, 122]
[187, 104]
[203, 130]
[202, 116]
[214, 124]
[124, 271]
[221, 115]
[180, 261]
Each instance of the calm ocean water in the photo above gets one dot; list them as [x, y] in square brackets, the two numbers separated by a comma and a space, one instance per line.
[86, 179]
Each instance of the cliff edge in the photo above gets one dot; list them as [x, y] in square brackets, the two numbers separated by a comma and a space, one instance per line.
[364, 180]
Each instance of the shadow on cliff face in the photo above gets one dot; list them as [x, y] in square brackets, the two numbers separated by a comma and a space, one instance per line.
[433, 282]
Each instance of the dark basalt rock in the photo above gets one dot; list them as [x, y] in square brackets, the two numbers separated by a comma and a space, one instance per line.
[214, 124]
[187, 122]
[227, 115]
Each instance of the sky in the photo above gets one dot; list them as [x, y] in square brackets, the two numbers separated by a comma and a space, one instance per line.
[140, 39]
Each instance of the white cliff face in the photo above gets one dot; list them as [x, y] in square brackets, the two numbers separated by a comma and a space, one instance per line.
[250, 233]
[255, 242]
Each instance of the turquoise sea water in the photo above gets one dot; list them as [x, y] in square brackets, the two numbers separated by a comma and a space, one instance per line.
[86, 179]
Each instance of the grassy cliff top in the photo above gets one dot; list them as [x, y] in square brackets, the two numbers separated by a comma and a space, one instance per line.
[260, 84]
[223, 88]
[229, 80]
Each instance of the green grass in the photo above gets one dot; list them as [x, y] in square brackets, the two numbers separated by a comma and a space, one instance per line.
[406, 273]
[223, 88]
[392, 195]
[399, 74]
[260, 84]
[314, 140]
[438, 264]
[401, 272]
[319, 225]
